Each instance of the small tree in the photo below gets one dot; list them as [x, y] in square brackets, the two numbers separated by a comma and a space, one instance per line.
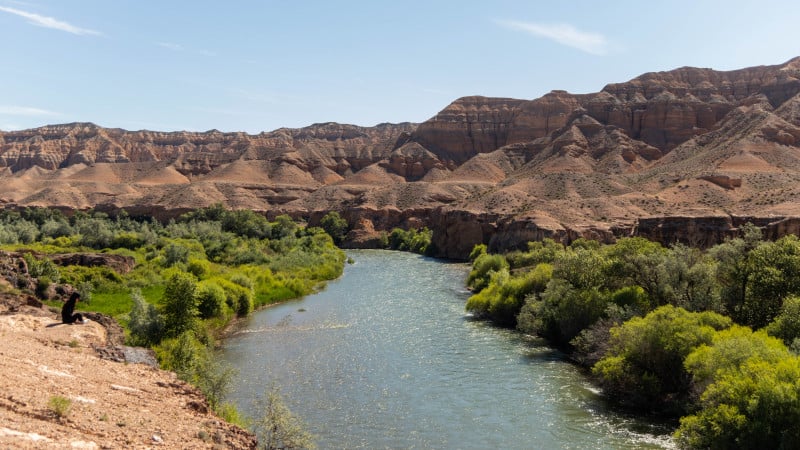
[279, 428]
[335, 225]
[145, 324]
[180, 304]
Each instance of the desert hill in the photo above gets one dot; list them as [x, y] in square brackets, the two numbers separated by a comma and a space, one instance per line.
[688, 154]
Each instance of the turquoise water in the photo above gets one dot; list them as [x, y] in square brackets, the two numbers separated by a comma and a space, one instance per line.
[385, 357]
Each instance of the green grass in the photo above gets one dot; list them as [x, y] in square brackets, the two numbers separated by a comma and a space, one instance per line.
[153, 293]
[274, 295]
[114, 304]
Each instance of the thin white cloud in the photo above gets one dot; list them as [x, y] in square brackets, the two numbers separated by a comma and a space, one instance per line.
[180, 48]
[50, 22]
[171, 46]
[13, 110]
[564, 34]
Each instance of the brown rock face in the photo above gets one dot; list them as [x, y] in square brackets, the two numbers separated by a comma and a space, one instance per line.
[473, 125]
[676, 155]
[119, 263]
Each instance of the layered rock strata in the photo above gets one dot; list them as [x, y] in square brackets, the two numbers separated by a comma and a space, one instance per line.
[675, 155]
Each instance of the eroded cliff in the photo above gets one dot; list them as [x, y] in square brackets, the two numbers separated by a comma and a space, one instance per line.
[677, 155]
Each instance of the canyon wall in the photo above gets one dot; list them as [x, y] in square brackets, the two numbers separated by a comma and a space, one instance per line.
[674, 156]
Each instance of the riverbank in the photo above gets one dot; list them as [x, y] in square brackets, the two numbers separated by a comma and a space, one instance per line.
[59, 393]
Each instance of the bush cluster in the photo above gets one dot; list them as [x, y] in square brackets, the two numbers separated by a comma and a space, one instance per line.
[666, 330]
[415, 241]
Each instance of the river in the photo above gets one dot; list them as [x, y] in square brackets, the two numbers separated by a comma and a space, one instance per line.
[385, 357]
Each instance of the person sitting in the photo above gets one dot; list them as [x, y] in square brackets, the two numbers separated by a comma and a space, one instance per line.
[67, 315]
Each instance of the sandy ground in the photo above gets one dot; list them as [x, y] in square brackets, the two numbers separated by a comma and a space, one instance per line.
[113, 405]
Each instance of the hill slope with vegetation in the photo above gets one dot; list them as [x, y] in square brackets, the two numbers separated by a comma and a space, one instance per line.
[173, 286]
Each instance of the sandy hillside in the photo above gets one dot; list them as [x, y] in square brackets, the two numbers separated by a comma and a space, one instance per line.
[113, 405]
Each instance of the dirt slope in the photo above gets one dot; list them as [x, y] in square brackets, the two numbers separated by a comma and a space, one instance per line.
[113, 405]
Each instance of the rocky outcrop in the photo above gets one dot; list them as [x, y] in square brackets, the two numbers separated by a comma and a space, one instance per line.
[119, 263]
[723, 181]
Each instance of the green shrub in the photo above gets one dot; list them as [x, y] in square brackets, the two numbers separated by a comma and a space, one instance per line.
[502, 300]
[60, 406]
[632, 296]
[41, 267]
[198, 267]
[756, 406]
[278, 428]
[231, 414]
[127, 239]
[416, 241]
[562, 311]
[538, 252]
[644, 367]
[477, 250]
[193, 362]
[211, 299]
[728, 350]
[175, 254]
[484, 264]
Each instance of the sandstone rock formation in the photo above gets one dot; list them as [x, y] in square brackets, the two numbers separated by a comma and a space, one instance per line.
[691, 146]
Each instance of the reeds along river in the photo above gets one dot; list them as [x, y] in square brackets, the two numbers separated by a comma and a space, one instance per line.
[385, 357]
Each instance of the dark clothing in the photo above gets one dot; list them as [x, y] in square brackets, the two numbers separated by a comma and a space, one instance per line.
[66, 312]
[77, 317]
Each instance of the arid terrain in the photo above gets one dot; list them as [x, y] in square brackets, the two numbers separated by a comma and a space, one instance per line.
[111, 404]
[689, 154]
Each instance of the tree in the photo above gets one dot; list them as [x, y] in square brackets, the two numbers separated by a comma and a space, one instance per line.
[735, 268]
[145, 324]
[279, 428]
[179, 305]
[691, 279]
[283, 227]
[246, 223]
[335, 225]
[786, 325]
[174, 254]
[754, 406]
[775, 275]
[637, 261]
[581, 267]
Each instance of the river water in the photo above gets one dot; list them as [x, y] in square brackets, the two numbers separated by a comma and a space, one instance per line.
[385, 357]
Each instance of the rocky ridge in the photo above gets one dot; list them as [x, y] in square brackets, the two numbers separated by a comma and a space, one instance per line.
[683, 155]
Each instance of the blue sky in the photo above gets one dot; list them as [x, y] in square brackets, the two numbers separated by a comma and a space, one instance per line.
[260, 65]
